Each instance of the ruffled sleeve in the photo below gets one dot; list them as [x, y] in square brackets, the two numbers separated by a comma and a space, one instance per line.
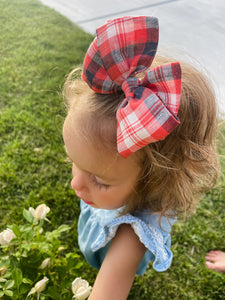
[155, 236]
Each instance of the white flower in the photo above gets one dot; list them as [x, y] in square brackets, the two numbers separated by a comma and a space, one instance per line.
[80, 289]
[45, 263]
[40, 212]
[39, 286]
[6, 236]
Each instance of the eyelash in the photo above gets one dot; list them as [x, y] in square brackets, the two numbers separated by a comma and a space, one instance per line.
[93, 178]
[99, 185]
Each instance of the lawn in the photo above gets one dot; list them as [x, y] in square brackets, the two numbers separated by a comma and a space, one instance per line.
[38, 48]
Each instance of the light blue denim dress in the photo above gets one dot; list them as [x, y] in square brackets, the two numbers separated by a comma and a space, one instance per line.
[96, 228]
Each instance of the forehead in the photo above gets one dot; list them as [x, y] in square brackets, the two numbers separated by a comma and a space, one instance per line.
[94, 123]
[95, 159]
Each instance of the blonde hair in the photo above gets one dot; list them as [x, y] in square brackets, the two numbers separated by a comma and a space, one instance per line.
[174, 170]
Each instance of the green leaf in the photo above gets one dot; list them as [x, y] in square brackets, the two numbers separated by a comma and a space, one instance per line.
[56, 233]
[9, 293]
[53, 292]
[28, 235]
[13, 261]
[79, 265]
[63, 228]
[28, 216]
[26, 247]
[24, 289]
[15, 228]
[27, 280]
[1, 293]
[17, 276]
[9, 284]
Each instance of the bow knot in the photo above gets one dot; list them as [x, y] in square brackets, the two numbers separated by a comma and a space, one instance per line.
[129, 85]
[124, 47]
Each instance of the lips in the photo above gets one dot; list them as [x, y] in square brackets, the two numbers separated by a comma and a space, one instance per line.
[87, 202]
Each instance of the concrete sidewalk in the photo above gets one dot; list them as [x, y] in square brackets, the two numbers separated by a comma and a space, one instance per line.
[195, 27]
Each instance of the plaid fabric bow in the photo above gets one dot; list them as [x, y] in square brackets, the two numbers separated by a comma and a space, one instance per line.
[124, 47]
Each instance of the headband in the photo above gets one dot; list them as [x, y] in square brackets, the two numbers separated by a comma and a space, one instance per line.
[123, 48]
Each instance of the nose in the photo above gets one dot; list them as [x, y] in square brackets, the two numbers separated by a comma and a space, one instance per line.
[79, 181]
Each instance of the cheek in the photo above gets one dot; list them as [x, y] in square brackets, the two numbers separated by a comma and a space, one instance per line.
[73, 183]
[122, 193]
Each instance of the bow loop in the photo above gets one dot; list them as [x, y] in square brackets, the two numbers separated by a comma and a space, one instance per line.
[123, 47]
[165, 82]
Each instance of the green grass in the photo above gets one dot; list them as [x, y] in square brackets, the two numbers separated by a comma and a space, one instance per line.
[38, 47]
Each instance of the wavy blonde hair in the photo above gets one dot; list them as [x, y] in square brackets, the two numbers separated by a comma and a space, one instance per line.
[174, 170]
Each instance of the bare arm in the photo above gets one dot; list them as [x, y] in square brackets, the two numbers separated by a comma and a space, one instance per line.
[119, 267]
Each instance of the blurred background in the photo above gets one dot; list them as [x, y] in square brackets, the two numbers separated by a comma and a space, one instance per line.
[193, 27]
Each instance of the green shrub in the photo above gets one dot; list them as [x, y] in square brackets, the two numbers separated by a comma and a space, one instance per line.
[38, 47]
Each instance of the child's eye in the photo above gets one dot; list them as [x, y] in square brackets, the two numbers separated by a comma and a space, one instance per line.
[99, 184]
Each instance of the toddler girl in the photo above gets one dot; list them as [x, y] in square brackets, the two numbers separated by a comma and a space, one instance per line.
[142, 145]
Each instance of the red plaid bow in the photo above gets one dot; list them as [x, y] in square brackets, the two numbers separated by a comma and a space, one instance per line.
[124, 47]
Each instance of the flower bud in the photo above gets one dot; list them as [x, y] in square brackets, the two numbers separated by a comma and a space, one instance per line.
[45, 263]
[6, 236]
[40, 212]
[61, 248]
[2, 270]
[80, 289]
[40, 285]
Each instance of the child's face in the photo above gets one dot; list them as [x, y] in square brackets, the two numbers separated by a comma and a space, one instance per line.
[101, 179]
